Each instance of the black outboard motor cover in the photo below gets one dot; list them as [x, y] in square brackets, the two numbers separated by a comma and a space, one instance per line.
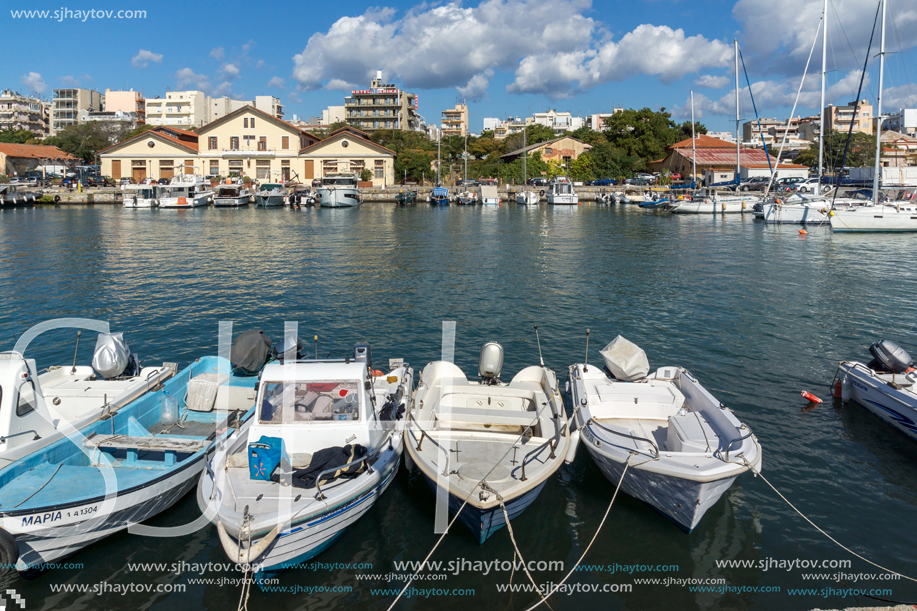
[889, 357]
[250, 352]
[361, 352]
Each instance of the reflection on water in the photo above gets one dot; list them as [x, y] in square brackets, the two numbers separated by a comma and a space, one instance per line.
[757, 313]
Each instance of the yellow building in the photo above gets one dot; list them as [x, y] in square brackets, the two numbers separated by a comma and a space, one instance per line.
[348, 150]
[158, 153]
[455, 121]
[249, 142]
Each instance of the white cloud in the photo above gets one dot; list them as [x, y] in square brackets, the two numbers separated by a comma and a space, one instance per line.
[224, 88]
[476, 88]
[455, 43]
[259, 64]
[249, 46]
[277, 82]
[218, 53]
[69, 81]
[712, 82]
[337, 84]
[144, 57]
[229, 71]
[293, 96]
[186, 77]
[34, 82]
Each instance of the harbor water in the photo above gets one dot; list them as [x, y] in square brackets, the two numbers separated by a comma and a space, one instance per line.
[758, 314]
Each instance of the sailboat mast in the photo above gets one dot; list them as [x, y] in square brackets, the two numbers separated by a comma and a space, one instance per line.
[465, 175]
[439, 159]
[735, 42]
[875, 178]
[693, 147]
[525, 166]
[821, 124]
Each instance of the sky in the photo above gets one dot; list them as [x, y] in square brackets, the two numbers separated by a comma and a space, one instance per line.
[505, 58]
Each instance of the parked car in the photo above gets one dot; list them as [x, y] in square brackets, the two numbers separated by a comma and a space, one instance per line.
[789, 180]
[125, 181]
[537, 182]
[603, 182]
[807, 185]
[675, 176]
[645, 176]
[163, 181]
[753, 184]
[316, 182]
[637, 182]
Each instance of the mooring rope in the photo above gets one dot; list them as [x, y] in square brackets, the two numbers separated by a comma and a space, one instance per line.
[544, 599]
[512, 538]
[815, 526]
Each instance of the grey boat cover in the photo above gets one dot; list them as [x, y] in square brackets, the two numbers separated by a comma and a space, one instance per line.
[250, 352]
[625, 360]
[111, 355]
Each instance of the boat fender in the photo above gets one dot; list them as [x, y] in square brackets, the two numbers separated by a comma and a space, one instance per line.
[57, 199]
[836, 391]
[541, 193]
[571, 449]
[408, 461]
[846, 389]
[245, 556]
[9, 552]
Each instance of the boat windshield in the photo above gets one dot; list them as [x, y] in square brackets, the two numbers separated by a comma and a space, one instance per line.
[339, 182]
[286, 402]
[269, 186]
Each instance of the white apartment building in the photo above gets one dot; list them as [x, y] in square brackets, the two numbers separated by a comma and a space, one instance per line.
[904, 121]
[67, 104]
[125, 101]
[560, 122]
[333, 114]
[184, 109]
[23, 112]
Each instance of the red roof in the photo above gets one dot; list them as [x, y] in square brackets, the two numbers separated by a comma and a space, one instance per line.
[727, 156]
[158, 133]
[703, 141]
[180, 131]
[34, 151]
[782, 166]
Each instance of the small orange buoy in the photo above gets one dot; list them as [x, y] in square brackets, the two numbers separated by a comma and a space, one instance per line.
[803, 232]
[810, 397]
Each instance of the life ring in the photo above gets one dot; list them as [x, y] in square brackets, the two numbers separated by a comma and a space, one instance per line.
[377, 373]
[9, 552]
[688, 198]
[541, 193]
[57, 199]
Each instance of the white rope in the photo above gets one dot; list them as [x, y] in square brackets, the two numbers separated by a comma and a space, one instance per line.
[832, 539]
[512, 537]
[544, 599]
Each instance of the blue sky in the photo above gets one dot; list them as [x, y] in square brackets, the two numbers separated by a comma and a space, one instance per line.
[506, 57]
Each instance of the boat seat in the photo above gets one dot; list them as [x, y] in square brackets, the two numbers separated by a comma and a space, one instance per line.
[169, 446]
[637, 401]
[505, 417]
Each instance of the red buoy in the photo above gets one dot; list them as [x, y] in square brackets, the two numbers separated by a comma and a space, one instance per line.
[803, 232]
[810, 397]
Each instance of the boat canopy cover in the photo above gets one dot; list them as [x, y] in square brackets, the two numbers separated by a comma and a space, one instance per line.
[111, 355]
[440, 192]
[250, 352]
[625, 360]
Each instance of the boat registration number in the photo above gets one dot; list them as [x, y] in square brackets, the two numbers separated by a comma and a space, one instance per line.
[58, 516]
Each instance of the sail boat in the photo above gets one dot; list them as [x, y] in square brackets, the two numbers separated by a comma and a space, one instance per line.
[440, 195]
[466, 197]
[876, 216]
[526, 198]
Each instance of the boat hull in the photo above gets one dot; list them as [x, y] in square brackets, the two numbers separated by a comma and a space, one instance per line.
[869, 219]
[896, 407]
[563, 200]
[681, 501]
[337, 198]
[793, 214]
[484, 522]
[189, 202]
[269, 201]
[231, 202]
[723, 207]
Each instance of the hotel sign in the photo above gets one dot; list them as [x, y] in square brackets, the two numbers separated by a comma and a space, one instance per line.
[395, 91]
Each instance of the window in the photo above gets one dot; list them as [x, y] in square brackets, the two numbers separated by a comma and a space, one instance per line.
[262, 143]
[245, 122]
[212, 143]
[251, 122]
[380, 169]
[309, 401]
[235, 167]
[26, 402]
[234, 143]
[263, 169]
[214, 167]
[248, 140]
[285, 142]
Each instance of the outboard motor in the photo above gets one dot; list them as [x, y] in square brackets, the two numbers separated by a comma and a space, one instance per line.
[889, 357]
[288, 343]
[362, 354]
[250, 352]
[490, 363]
[112, 355]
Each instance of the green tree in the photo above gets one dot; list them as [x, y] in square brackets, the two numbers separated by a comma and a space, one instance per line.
[140, 129]
[84, 140]
[642, 136]
[417, 164]
[366, 174]
[861, 152]
[534, 134]
[17, 136]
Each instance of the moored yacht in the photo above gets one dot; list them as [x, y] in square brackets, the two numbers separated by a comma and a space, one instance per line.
[140, 196]
[185, 191]
[560, 191]
[271, 195]
[338, 191]
[232, 194]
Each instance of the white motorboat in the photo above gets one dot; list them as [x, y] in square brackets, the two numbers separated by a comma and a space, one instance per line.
[74, 395]
[140, 196]
[490, 196]
[338, 191]
[715, 203]
[684, 448]
[271, 195]
[324, 445]
[560, 191]
[466, 198]
[185, 191]
[526, 198]
[491, 444]
[886, 386]
[232, 194]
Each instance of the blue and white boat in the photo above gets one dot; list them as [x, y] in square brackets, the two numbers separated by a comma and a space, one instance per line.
[129, 465]
[324, 446]
[490, 444]
[440, 196]
[653, 204]
[886, 386]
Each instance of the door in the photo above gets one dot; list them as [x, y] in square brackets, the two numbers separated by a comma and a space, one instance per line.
[309, 171]
[116, 169]
[139, 174]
